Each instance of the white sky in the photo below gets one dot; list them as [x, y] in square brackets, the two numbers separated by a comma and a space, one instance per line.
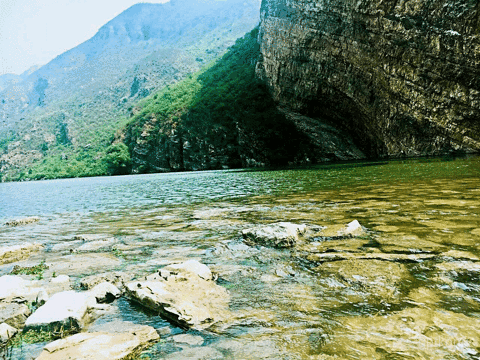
[33, 32]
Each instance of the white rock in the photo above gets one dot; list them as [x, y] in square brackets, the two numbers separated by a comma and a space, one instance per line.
[353, 227]
[101, 345]
[6, 332]
[105, 292]
[282, 234]
[14, 288]
[65, 310]
[191, 266]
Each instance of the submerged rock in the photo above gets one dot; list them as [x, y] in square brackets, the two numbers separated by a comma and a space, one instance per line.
[282, 234]
[341, 231]
[66, 310]
[76, 264]
[14, 253]
[185, 298]
[335, 256]
[192, 340]
[24, 221]
[417, 333]
[101, 345]
[376, 278]
[339, 245]
[6, 332]
[410, 245]
[97, 245]
[459, 267]
[90, 237]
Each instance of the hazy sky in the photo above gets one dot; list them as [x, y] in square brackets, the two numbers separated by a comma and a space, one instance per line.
[33, 32]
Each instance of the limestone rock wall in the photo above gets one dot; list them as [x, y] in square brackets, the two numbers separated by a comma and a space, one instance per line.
[402, 77]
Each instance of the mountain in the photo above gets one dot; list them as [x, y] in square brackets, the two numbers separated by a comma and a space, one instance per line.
[7, 80]
[76, 103]
[401, 78]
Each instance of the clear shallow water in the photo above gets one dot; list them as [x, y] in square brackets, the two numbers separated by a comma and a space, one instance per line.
[286, 303]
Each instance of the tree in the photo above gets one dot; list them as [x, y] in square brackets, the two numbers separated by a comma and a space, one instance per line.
[118, 159]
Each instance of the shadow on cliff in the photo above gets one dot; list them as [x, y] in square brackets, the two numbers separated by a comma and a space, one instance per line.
[222, 117]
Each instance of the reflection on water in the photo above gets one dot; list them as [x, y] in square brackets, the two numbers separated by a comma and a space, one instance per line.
[409, 289]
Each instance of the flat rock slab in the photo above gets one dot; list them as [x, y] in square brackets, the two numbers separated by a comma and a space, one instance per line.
[410, 245]
[14, 288]
[6, 332]
[90, 237]
[379, 278]
[189, 266]
[352, 229]
[343, 245]
[76, 264]
[199, 353]
[101, 345]
[14, 314]
[415, 333]
[460, 267]
[24, 221]
[66, 310]
[336, 256]
[97, 245]
[186, 299]
[116, 278]
[192, 340]
[9, 254]
[281, 235]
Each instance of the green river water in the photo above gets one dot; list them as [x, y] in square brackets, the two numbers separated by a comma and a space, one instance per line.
[408, 289]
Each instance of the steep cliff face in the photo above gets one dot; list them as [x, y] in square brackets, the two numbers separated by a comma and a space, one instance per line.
[402, 77]
[224, 117]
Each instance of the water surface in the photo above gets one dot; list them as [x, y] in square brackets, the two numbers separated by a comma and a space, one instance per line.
[287, 303]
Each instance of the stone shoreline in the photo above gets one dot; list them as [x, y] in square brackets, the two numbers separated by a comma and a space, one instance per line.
[189, 294]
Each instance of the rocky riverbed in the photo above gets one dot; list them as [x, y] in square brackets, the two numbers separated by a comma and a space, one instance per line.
[378, 261]
[68, 299]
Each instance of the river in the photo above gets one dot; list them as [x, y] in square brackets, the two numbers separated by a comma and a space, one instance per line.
[408, 289]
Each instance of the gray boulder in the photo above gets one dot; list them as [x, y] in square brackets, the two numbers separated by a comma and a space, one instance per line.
[282, 234]
[105, 292]
[6, 332]
[185, 297]
[101, 345]
[14, 314]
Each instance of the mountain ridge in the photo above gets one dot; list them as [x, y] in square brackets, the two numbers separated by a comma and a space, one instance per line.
[94, 84]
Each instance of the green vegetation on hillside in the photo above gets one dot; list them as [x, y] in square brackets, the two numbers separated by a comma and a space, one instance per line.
[224, 109]
[224, 114]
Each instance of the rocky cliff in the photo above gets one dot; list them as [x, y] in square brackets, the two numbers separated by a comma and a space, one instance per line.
[402, 77]
[224, 117]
